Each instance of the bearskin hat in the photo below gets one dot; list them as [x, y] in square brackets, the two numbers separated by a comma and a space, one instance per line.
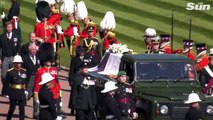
[43, 10]
[46, 53]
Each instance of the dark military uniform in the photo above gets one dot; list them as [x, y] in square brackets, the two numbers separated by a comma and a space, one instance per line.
[15, 87]
[205, 77]
[83, 99]
[47, 104]
[93, 49]
[123, 96]
[111, 108]
[193, 114]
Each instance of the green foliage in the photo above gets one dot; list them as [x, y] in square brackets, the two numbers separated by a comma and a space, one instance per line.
[132, 18]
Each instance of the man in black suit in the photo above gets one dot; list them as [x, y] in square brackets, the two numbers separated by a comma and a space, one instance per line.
[9, 47]
[13, 16]
[31, 63]
[25, 47]
[84, 95]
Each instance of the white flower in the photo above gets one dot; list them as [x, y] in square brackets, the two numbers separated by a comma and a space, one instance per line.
[118, 48]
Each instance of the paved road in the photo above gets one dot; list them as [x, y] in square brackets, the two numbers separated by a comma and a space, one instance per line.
[4, 102]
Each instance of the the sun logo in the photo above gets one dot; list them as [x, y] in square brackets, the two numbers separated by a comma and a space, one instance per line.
[198, 6]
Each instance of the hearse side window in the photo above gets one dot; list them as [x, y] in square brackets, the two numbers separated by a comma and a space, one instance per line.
[165, 71]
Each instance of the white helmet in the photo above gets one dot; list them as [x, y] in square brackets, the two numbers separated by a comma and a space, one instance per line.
[109, 86]
[46, 77]
[150, 32]
[193, 98]
[17, 59]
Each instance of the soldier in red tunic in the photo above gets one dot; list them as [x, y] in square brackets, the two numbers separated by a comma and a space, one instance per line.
[202, 60]
[46, 56]
[164, 44]
[109, 40]
[45, 29]
[88, 22]
[187, 49]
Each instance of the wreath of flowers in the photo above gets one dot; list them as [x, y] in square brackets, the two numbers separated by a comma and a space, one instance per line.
[119, 49]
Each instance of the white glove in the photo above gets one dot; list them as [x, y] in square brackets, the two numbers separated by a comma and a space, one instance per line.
[59, 118]
[135, 115]
[85, 82]
[91, 82]
[3, 15]
[61, 104]
[37, 101]
[26, 93]
[59, 29]
[75, 30]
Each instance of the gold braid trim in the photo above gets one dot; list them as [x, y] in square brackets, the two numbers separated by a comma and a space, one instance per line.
[36, 95]
[90, 45]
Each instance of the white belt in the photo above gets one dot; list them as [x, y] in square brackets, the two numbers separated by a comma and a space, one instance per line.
[44, 106]
[108, 117]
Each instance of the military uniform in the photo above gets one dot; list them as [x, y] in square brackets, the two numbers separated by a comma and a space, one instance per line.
[84, 98]
[45, 29]
[190, 54]
[187, 46]
[203, 59]
[123, 96]
[15, 88]
[55, 83]
[109, 40]
[164, 44]
[93, 49]
[45, 32]
[56, 88]
[84, 34]
[205, 77]
[47, 104]
[111, 108]
[70, 32]
[193, 114]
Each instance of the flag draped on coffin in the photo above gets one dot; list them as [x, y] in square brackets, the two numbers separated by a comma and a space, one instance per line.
[109, 64]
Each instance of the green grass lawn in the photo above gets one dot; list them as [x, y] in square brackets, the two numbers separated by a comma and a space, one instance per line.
[132, 18]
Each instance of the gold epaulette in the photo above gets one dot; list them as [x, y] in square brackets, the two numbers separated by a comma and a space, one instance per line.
[10, 69]
[92, 24]
[36, 95]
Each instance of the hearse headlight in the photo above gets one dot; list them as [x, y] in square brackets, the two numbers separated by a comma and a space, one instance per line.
[164, 109]
[209, 109]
